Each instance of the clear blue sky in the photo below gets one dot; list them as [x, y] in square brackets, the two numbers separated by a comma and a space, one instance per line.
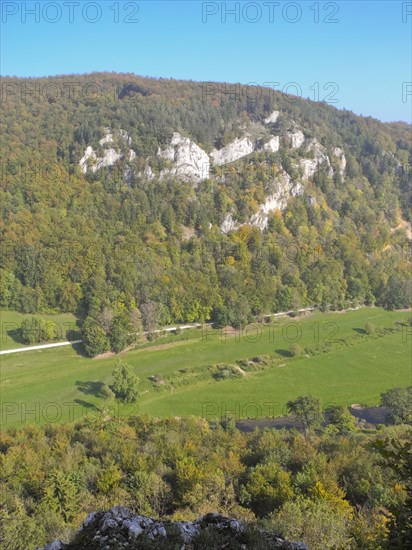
[365, 53]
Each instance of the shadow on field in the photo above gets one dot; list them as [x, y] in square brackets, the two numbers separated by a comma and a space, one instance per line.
[86, 404]
[15, 335]
[360, 330]
[283, 352]
[365, 416]
[90, 388]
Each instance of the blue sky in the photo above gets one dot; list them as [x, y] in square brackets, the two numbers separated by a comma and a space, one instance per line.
[355, 53]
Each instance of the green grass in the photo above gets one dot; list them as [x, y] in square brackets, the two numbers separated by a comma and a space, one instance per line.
[10, 322]
[47, 381]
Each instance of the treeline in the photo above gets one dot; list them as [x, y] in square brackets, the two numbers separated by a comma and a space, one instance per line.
[77, 243]
[332, 488]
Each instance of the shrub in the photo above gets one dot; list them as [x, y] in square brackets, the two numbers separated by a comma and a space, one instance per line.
[36, 330]
[295, 350]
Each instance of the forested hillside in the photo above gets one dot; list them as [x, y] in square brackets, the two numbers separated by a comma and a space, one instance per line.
[196, 201]
[336, 490]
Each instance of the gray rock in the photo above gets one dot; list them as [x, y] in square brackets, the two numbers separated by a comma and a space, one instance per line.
[56, 545]
[119, 528]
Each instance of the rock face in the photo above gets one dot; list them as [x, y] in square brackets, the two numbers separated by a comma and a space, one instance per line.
[296, 139]
[190, 161]
[228, 224]
[272, 118]
[283, 189]
[309, 166]
[119, 528]
[337, 152]
[272, 145]
[93, 161]
[233, 151]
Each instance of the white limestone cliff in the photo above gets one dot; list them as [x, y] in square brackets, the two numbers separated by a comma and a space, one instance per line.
[296, 139]
[228, 224]
[236, 150]
[338, 152]
[107, 157]
[284, 188]
[272, 118]
[89, 154]
[272, 145]
[108, 138]
[190, 161]
[310, 166]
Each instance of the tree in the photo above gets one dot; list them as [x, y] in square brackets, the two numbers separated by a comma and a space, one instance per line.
[105, 318]
[341, 417]
[399, 403]
[136, 322]
[316, 522]
[121, 332]
[397, 455]
[219, 317]
[240, 314]
[150, 315]
[398, 293]
[95, 340]
[267, 488]
[370, 328]
[126, 383]
[307, 410]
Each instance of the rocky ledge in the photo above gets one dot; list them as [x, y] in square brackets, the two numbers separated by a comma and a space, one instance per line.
[121, 529]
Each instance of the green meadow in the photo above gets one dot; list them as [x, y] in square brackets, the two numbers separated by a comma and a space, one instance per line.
[60, 384]
[10, 321]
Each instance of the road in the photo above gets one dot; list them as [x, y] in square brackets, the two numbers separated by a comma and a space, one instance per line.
[166, 329]
[42, 346]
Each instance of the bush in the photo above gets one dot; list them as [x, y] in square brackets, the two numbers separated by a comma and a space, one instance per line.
[295, 350]
[36, 330]
[370, 328]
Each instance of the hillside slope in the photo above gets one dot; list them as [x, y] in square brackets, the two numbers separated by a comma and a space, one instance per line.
[207, 200]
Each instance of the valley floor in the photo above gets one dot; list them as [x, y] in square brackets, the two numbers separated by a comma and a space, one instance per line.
[339, 363]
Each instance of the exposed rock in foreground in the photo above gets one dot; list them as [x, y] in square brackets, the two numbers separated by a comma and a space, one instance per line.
[119, 528]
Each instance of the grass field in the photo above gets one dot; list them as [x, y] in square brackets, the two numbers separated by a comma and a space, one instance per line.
[10, 321]
[61, 384]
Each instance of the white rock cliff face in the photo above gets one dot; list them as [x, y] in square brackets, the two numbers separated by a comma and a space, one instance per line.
[310, 166]
[88, 154]
[191, 162]
[233, 151]
[284, 189]
[108, 157]
[296, 139]
[338, 152]
[91, 161]
[272, 145]
[272, 118]
[228, 224]
[108, 138]
[278, 200]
